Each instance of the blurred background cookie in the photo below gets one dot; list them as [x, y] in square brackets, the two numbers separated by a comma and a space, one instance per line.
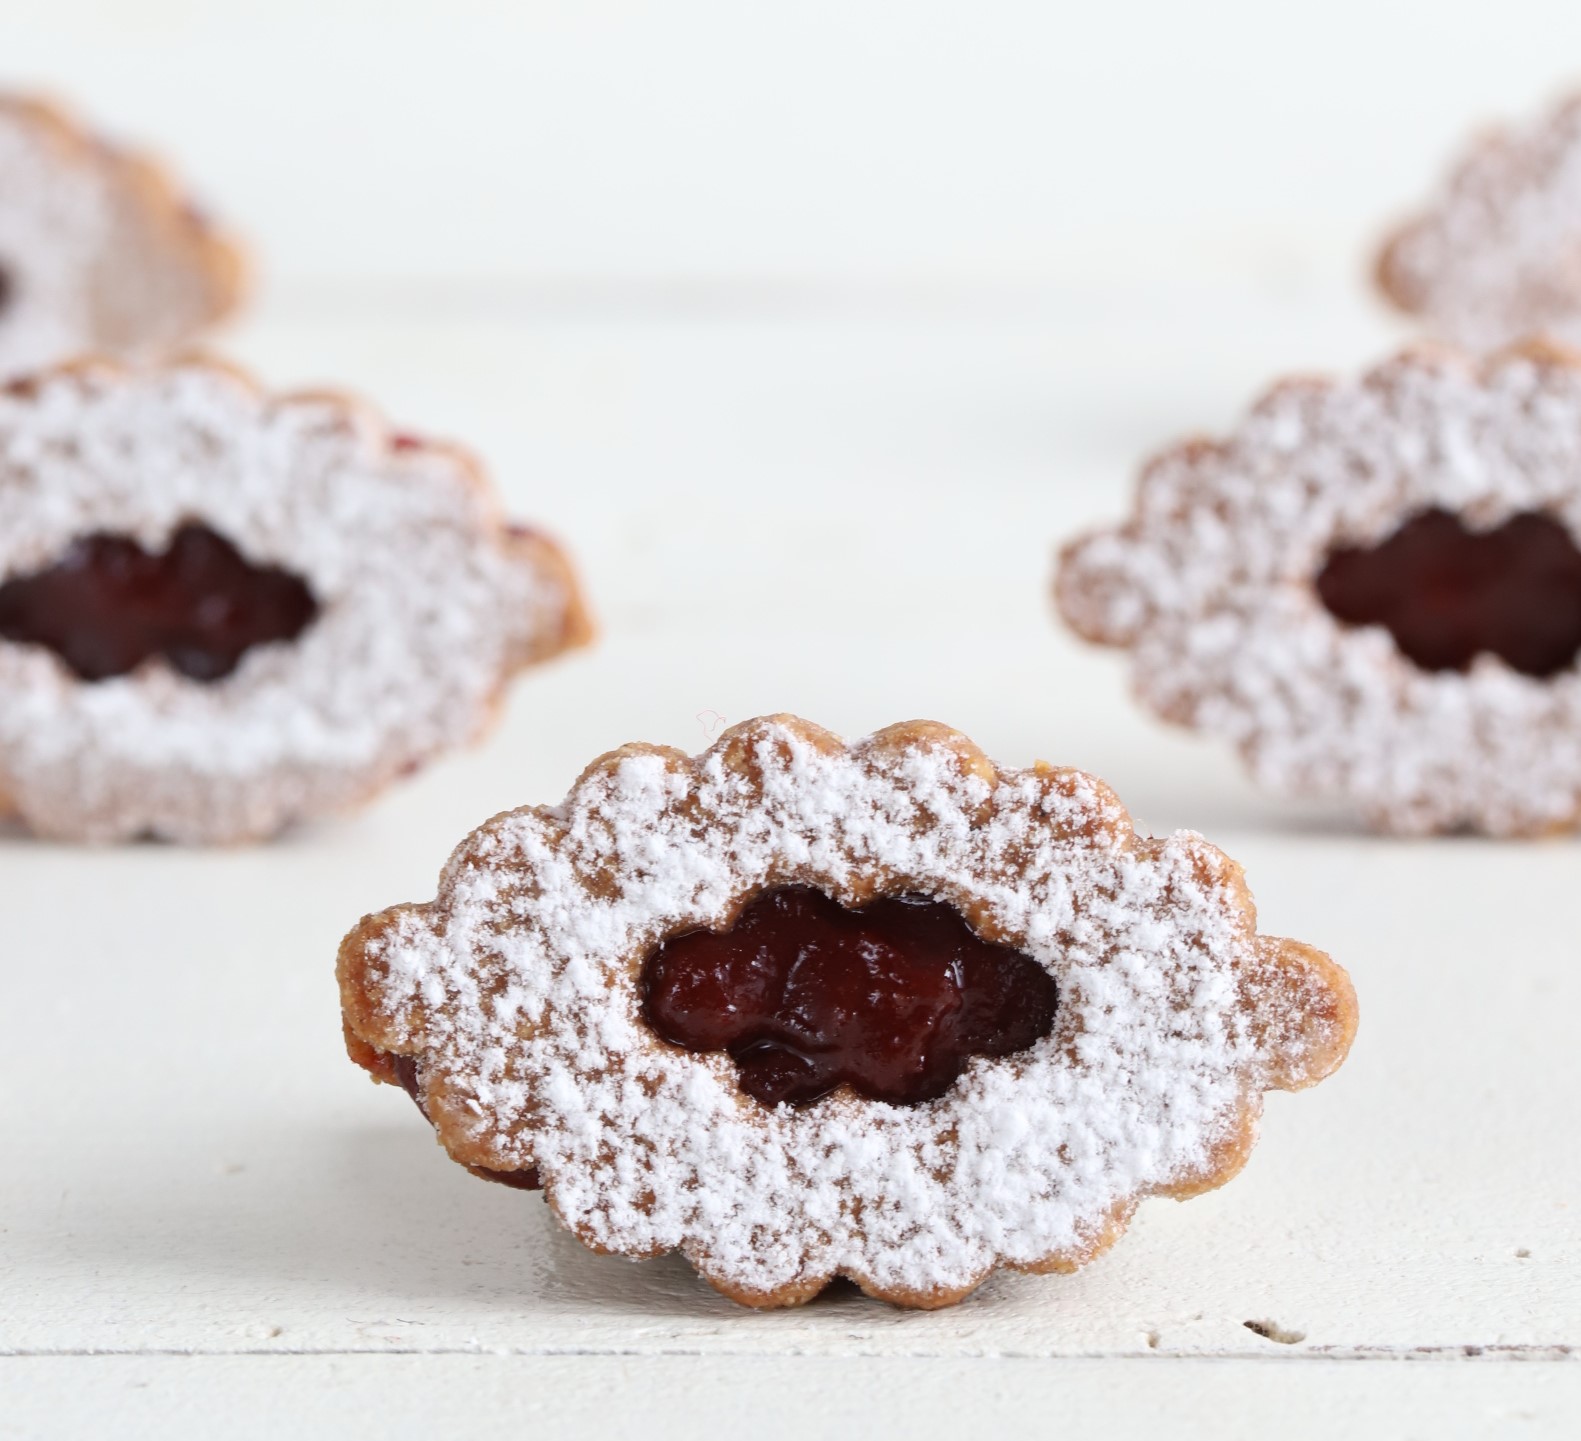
[1496, 254]
[224, 611]
[99, 249]
[1372, 587]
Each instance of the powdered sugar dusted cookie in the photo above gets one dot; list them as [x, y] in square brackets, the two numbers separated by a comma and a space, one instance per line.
[800, 1009]
[1496, 257]
[222, 611]
[98, 251]
[1372, 587]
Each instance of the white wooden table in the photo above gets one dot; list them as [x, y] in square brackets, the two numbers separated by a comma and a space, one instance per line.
[796, 477]
[205, 1205]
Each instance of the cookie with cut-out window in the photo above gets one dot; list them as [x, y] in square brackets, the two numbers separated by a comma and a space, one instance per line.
[224, 611]
[1371, 587]
[800, 1009]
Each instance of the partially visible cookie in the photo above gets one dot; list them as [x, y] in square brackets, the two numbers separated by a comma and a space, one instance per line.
[99, 251]
[1372, 587]
[802, 1009]
[1495, 257]
[223, 611]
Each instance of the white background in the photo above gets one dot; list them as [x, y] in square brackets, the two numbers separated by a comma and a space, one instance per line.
[811, 329]
[985, 145]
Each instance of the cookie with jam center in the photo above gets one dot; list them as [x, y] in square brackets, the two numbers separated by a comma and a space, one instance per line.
[1372, 587]
[222, 611]
[800, 1009]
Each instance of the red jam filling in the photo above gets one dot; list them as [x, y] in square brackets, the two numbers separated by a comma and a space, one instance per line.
[806, 995]
[1446, 593]
[405, 1068]
[107, 605]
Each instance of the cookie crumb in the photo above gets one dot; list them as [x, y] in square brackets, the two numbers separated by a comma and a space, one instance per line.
[1273, 1331]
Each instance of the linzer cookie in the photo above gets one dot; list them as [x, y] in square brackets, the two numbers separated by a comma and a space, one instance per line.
[98, 250]
[801, 1010]
[1372, 588]
[1496, 256]
[223, 611]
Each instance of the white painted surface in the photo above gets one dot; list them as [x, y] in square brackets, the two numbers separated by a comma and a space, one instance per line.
[404, 1398]
[810, 336]
[850, 519]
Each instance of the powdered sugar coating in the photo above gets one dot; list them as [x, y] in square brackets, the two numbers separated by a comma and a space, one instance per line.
[1210, 583]
[517, 989]
[426, 603]
[97, 251]
[1497, 256]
